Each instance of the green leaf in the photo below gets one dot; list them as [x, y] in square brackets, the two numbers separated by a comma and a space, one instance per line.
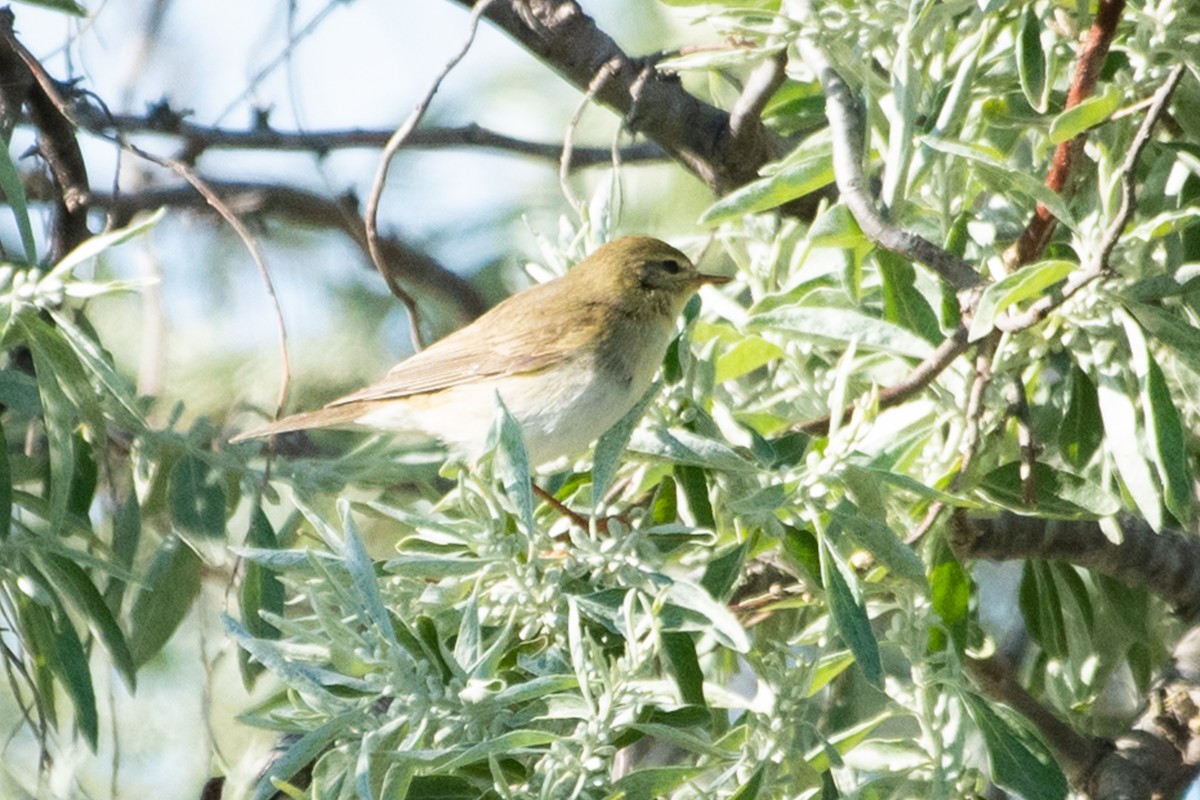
[511, 462]
[60, 419]
[76, 677]
[653, 782]
[828, 667]
[1087, 114]
[1169, 443]
[681, 446]
[1124, 439]
[14, 194]
[96, 245]
[197, 498]
[362, 571]
[721, 573]
[950, 596]
[837, 228]
[751, 788]
[126, 533]
[1168, 330]
[75, 586]
[990, 165]
[69, 6]
[903, 304]
[1041, 607]
[747, 355]
[261, 588]
[610, 446]
[680, 650]
[19, 392]
[1024, 284]
[1057, 494]
[880, 540]
[1082, 428]
[695, 490]
[850, 618]
[1019, 762]
[304, 751]
[841, 326]
[1031, 60]
[790, 182]
[721, 623]
[169, 587]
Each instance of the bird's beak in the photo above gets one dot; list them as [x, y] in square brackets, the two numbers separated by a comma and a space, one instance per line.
[714, 280]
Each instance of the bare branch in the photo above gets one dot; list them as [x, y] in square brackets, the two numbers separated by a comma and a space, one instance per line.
[691, 131]
[425, 276]
[1167, 563]
[763, 82]
[371, 215]
[56, 136]
[1160, 755]
[162, 120]
[846, 128]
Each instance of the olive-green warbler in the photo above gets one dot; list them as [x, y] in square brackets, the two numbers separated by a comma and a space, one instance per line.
[569, 358]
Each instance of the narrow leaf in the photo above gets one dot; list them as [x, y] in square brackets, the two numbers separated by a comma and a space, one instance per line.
[1087, 114]
[1031, 59]
[166, 596]
[1168, 442]
[851, 619]
[1019, 763]
[1024, 284]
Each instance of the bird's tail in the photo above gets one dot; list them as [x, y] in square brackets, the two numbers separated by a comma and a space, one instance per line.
[339, 416]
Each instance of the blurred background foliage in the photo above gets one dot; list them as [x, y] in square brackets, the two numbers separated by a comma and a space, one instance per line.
[760, 607]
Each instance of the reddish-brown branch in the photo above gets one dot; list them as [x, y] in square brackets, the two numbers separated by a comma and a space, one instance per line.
[1090, 61]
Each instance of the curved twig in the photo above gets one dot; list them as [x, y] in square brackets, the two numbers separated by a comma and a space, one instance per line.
[371, 214]
[846, 129]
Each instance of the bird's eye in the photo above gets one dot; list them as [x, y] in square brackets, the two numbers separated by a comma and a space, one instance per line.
[671, 266]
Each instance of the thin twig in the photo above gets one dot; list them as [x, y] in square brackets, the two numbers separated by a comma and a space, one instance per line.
[50, 88]
[282, 57]
[371, 215]
[762, 84]
[568, 147]
[302, 207]
[1099, 264]
[921, 376]
[162, 120]
[845, 126]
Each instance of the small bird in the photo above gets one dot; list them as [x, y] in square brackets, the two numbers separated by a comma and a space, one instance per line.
[569, 358]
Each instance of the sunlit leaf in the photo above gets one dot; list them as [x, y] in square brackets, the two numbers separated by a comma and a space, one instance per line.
[1019, 762]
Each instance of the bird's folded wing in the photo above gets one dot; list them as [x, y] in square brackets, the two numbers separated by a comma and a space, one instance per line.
[479, 352]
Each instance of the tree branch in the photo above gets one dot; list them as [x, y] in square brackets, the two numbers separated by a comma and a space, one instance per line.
[56, 137]
[1076, 754]
[423, 274]
[162, 120]
[694, 133]
[1167, 564]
